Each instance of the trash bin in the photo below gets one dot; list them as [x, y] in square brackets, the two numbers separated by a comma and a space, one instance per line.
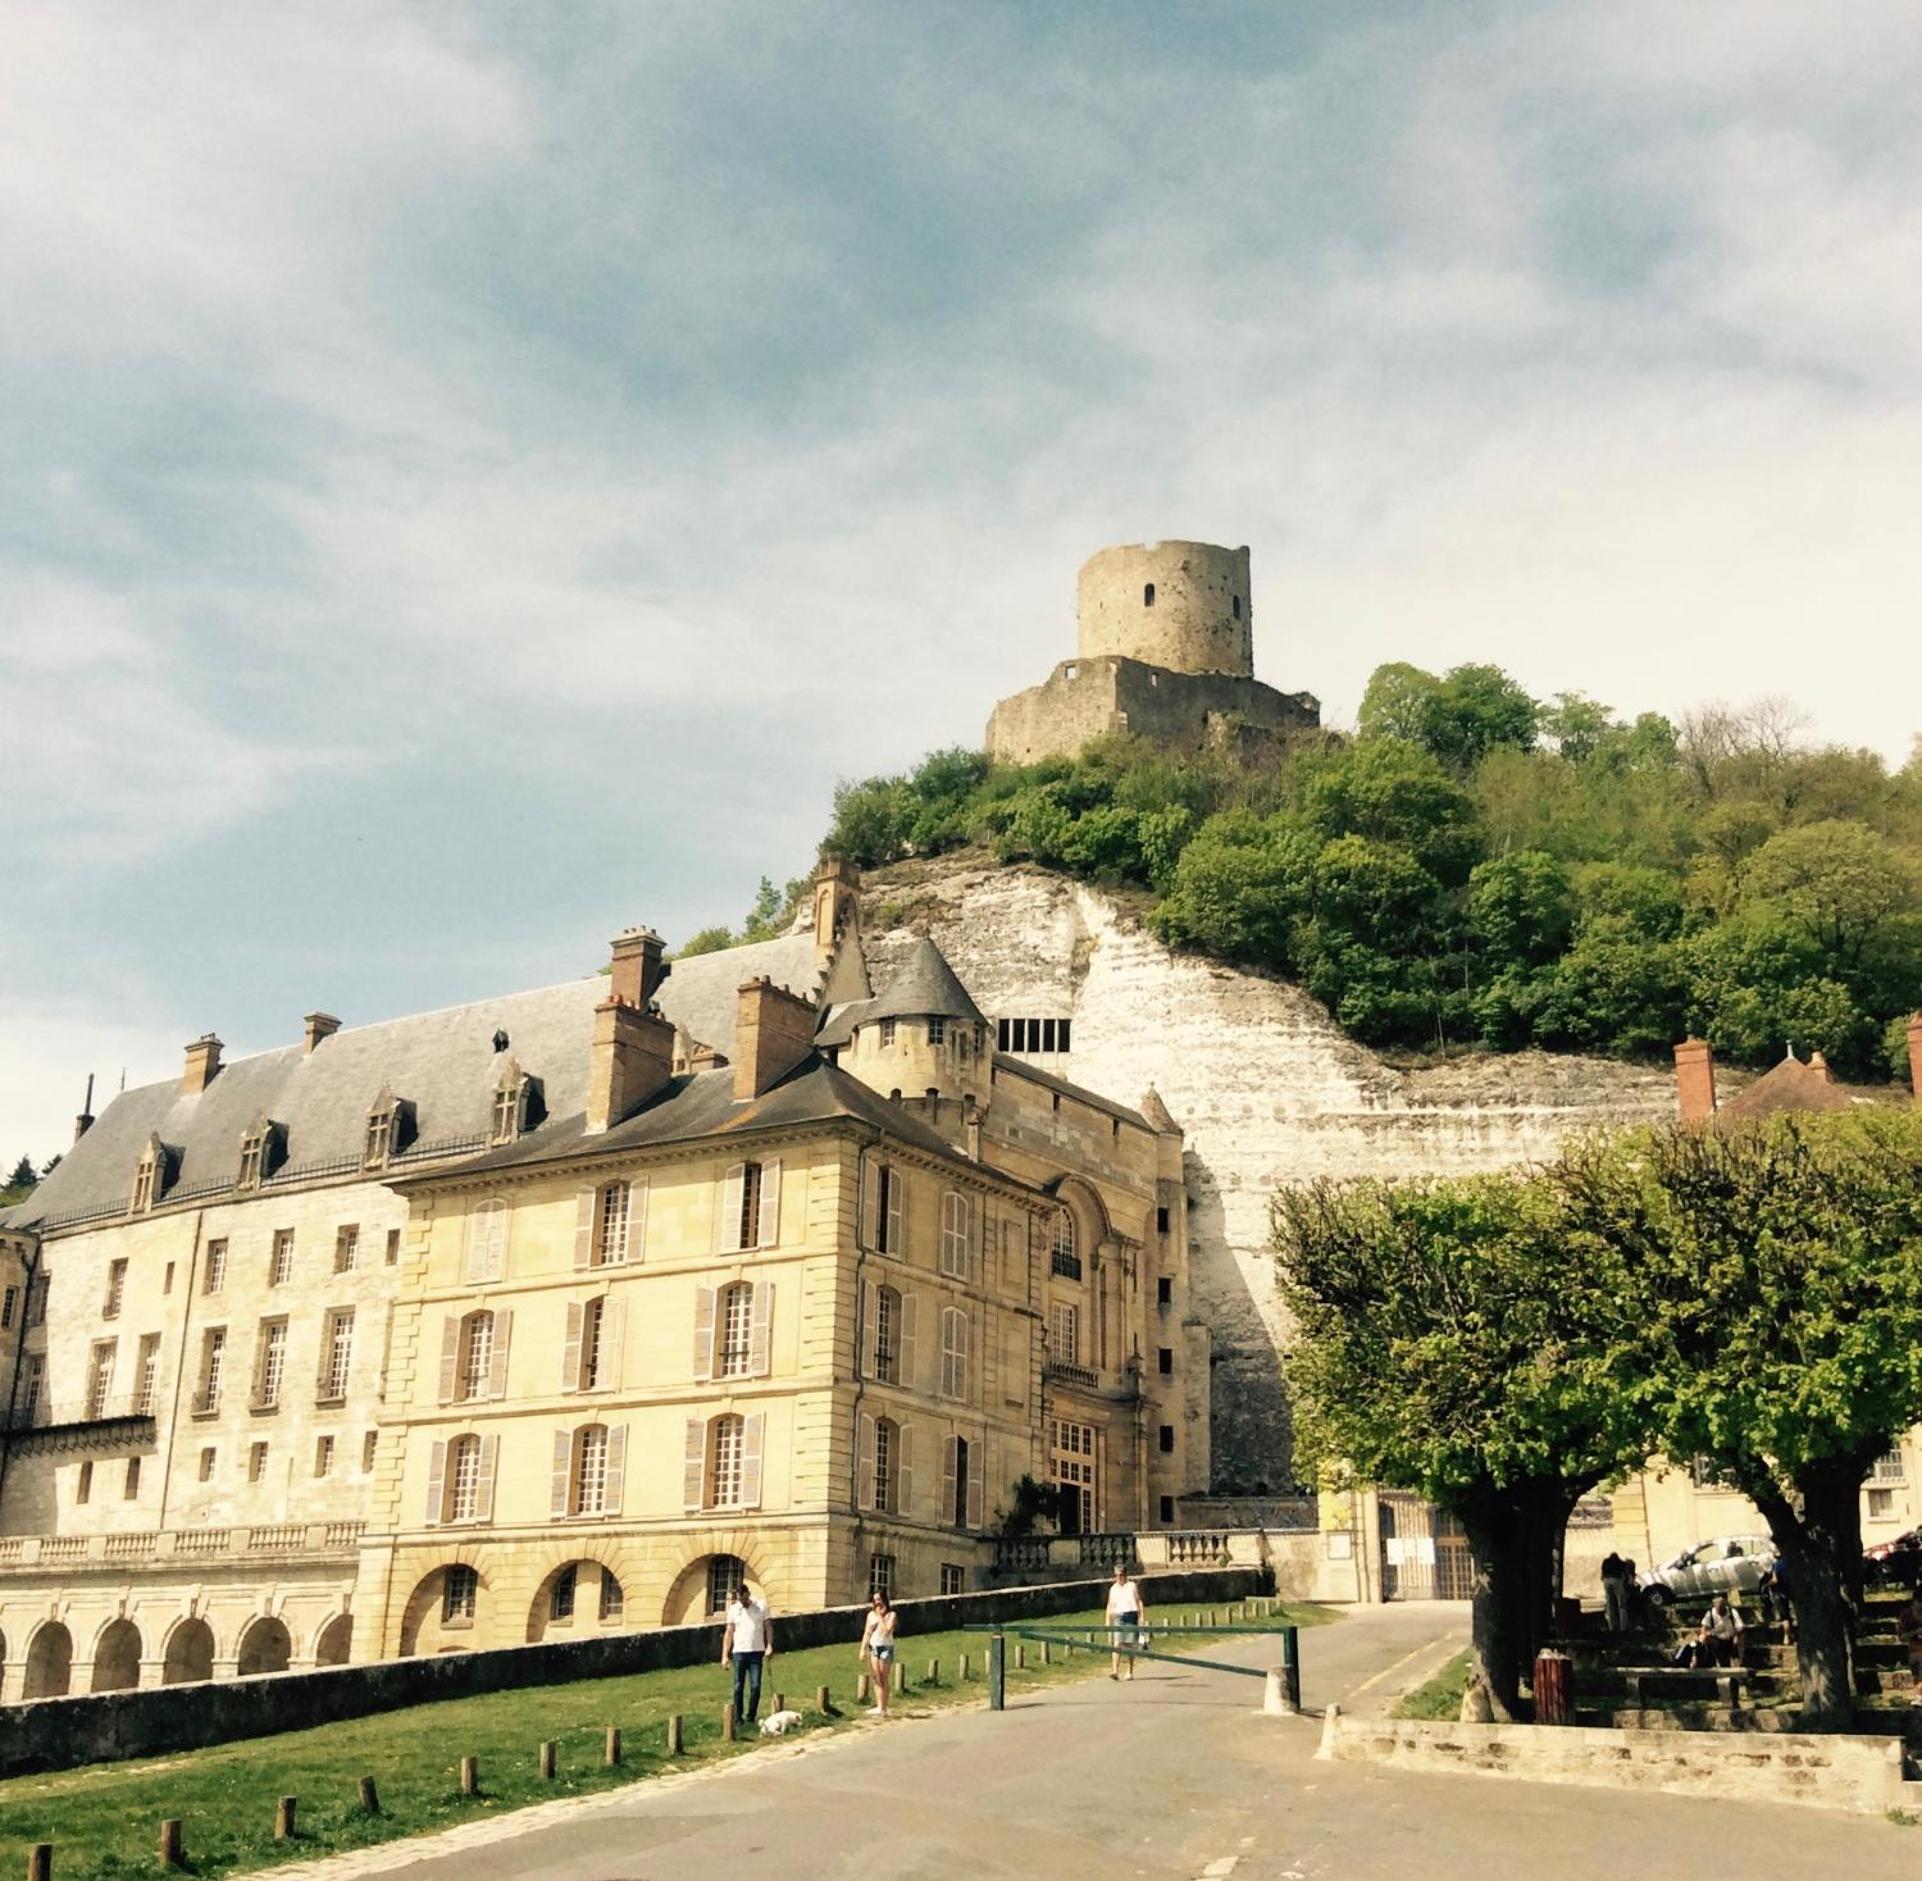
[1554, 1688]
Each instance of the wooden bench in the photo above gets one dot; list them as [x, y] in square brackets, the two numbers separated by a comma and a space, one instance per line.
[1730, 1682]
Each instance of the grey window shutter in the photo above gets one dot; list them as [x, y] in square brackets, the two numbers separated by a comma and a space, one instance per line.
[867, 1359]
[497, 1364]
[703, 1332]
[732, 1185]
[584, 1228]
[449, 1357]
[637, 1218]
[436, 1485]
[897, 1237]
[613, 1330]
[761, 1331]
[616, 1468]
[490, 1451]
[694, 1465]
[571, 1351]
[977, 1471]
[948, 1477]
[904, 1472]
[864, 1462]
[977, 1229]
[904, 1368]
[767, 1230]
[753, 1441]
[870, 1205]
[561, 1488]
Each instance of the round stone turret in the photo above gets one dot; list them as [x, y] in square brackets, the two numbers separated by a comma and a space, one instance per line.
[1183, 606]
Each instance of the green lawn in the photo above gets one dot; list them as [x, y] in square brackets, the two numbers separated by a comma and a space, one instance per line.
[1438, 1697]
[104, 1821]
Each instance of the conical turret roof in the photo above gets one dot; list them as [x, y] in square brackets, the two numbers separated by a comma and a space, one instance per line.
[926, 987]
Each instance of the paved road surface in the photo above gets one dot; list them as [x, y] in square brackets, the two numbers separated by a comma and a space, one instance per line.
[1174, 1776]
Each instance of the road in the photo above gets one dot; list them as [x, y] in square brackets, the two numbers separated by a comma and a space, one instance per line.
[1174, 1776]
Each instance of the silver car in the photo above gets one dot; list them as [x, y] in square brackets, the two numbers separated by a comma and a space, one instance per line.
[1731, 1564]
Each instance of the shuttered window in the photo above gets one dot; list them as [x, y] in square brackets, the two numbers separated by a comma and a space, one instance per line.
[889, 1221]
[590, 1471]
[476, 1355]
[463, 1479]
[955, 1331]
[487, 1243]
[737, 1326]
[750, 1207]
[956, 1234]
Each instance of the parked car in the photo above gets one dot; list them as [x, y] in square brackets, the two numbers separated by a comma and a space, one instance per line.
[1730, 1564]
[1896, 1562]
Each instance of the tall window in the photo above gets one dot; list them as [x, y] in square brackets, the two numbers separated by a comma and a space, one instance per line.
[593, 1332]
[888, 1237]
[143, 1183]
[37, 1289]
[1072, 1464]
[610, 1227]
[271, 1365]
[725, 1573]
[207, 1464]
[213, 1359]
[30, 1395]
[1148, 594]
[147, 1376]
[887, 1031]
[886, 1443]
[7, 1303]
[463, 1479]
[956, 1227]
[881, 1575]
[476, 1355]
[750, 1207]
[133, 1478]
[1065, 1257]
[1064, 1325]
[937, 1032]
[510, 1109]
[612, 1601]
[383, 1134]
[590, 1471]
[324, 1454]
[459, 1593]
[256, 1462]
[280, 1269]
[116, 1289]
[725, 1471]
[337, 1348]
[954, 1353]
[99, 1378]
[369, 1450]
[216, 1266]
[737, 1330]
[561, 1592]
[346, 1248]
[486, 1242]
[963, 1496]
[887, 1336]
[253, 1156]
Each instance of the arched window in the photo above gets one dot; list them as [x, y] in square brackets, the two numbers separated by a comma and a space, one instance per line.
[957, 1219]
[888, 1337]
[725, 1573]
[887, 1448]
[954, 1353]
[1148, 595]
[736, 1310]
[613, 1601]
[590, 1466]
[1065, 1258]
[884, 1465]
[463, 1479]
[460, 1480]
[723, 1461]
[476, 1356]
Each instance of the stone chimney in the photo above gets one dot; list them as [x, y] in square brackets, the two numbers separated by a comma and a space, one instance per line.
[1915, 1056]
[773, 1032]
[837, 895]
[84, 1122]
[203, 1065]
[1818, 1063]
[631, 1060]
[635, 969]
[1695, 1080]
[319, 1025]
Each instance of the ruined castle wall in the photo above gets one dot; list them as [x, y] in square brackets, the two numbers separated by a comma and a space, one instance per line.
[1267, 1087]
[1181, 605]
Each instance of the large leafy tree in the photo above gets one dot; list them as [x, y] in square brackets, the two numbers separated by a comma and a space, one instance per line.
[1446, 1344]
[1773, 1275]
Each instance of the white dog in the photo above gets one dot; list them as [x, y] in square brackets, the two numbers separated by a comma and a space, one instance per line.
[780, 1724]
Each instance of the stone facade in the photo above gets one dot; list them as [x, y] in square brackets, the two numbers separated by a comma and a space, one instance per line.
[1166, 652]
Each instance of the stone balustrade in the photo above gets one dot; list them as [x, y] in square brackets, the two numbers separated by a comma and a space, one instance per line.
[23, 1554]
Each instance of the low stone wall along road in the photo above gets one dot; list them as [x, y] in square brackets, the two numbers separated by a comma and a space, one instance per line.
[1175, 1775]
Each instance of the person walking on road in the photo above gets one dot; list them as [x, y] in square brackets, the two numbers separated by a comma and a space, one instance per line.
[1615, 1592]
[747, 1644]
[1125, 1614]
[877, 1648]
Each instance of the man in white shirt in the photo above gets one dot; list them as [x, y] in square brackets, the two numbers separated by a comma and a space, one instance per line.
[747, 1644]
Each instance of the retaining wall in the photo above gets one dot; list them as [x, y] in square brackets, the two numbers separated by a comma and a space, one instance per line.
[1863, 1774]
[60, 1733]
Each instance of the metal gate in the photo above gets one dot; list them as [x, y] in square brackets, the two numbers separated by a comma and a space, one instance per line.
[1423, 1552]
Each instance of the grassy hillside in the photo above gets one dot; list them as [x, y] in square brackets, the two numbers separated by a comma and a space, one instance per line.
[1479, 868]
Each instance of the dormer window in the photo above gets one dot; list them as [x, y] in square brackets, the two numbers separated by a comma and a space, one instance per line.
[257, 1156]
[514, 1100]
[149, 1177]
[386, 1132]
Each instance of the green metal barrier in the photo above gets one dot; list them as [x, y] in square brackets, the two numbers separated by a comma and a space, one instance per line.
[1093, 1639]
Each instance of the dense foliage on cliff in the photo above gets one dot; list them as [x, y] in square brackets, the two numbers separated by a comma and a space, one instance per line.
[1475, 866]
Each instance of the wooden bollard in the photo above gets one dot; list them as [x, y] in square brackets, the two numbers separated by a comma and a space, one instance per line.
[1047, 1652]
[172, 1854]
[470, 1776]
[676, 1735]
[823, 1701]
[863, 1689]
[612, 1752]
[727, 1724]
[1020, 1655]
[934, 1671]
[546, 1762]
[40, 1862]
[284, 1818]
[369, 1796]
[962, 1674]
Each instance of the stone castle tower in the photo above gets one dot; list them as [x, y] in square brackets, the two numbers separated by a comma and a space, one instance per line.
[1166, 651]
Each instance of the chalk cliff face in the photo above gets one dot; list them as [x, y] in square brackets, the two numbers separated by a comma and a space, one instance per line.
[1268, 1089]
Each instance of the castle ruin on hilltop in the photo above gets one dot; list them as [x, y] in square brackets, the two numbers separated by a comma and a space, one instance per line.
[1167, 652]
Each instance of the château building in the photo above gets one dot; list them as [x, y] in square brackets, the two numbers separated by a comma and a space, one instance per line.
[563, 1311]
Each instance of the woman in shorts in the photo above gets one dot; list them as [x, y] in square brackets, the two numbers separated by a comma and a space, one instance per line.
[1126, 1612]
[877, 1648]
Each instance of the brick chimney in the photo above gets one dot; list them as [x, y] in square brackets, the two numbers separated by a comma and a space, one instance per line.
[635, 969]
[773, 1032]
[1915, 1056]
[1695, 1080]
[203, 1065]
[631, 1060]
[319, 1025]
[837, 894]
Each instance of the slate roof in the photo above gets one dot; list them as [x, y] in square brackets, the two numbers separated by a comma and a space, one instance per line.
[926, 987]
[1020, 1067]
[442, 1063]
[1793, 1085]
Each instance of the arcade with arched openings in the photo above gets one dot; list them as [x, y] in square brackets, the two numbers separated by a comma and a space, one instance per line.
[116, 1657]
[49, 1668]
[703, 1588]
[575, 1598]
[265, 1646]
[443, 1612]
[189, 1654]
[335, 1640]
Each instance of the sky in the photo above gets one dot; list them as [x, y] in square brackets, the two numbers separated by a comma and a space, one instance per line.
[472, 477]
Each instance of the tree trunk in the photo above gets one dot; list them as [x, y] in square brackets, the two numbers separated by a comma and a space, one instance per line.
[1498, 1627]
[1823, 1549]
[1544, 1513]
